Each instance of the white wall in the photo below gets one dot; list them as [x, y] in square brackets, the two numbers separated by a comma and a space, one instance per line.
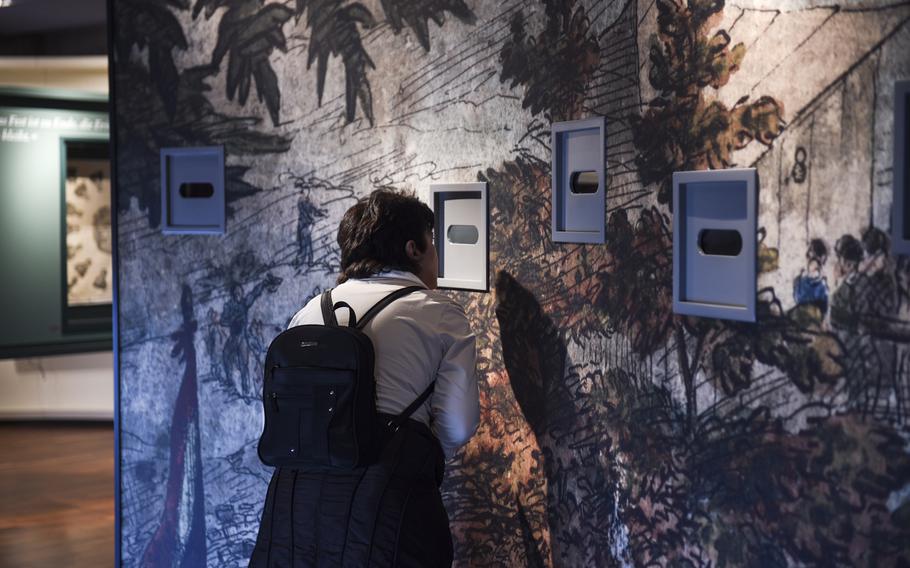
[73, 73]
[63, 386]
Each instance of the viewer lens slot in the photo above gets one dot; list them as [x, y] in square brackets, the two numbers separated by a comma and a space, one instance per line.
[196, 190]
[720, 242]
[463, 234]
[584, 182]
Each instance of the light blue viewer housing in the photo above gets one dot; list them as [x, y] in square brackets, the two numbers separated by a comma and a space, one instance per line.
[579, 185]
[714, 243]
[192, 190]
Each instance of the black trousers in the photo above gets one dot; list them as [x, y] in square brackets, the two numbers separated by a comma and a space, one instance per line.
[389, 514]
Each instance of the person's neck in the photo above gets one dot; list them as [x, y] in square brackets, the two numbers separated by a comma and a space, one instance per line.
[397, 271]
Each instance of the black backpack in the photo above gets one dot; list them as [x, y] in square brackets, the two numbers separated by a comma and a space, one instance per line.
[319, 394]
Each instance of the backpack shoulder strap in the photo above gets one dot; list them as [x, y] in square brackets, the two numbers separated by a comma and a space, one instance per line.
[328, 312]
[383, 303]
[396, 422]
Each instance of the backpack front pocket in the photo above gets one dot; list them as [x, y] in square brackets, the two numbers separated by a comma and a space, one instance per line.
[306, 410]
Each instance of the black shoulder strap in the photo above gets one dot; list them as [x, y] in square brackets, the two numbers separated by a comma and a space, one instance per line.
[328, 314]
[381, 304]
[328, 308]
[396, 422]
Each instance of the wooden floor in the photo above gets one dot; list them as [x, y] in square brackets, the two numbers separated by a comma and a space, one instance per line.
[56, 495]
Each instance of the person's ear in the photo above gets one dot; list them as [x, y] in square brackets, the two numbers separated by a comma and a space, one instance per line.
[410, 249]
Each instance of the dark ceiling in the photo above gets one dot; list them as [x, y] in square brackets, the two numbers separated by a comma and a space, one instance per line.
[53, 27]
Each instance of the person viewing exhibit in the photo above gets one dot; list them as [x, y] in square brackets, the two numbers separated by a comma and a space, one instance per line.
[389, 511]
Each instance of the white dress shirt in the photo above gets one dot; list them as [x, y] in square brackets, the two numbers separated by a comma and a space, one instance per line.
[417, 338]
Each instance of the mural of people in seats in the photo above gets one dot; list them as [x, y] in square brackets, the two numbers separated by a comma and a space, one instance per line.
[811, 286]
[864, 311]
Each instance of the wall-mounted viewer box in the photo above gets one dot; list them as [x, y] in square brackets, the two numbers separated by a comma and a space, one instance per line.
[900, 211]
[714, 243]
[192, 190]
[579, 186]
[462, 234]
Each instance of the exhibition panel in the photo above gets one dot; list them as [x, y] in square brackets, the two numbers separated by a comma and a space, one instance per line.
[55, 223]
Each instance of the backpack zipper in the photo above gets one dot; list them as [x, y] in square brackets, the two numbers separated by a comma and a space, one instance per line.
[274, 396]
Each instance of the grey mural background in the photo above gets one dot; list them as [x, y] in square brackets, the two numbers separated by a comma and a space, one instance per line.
[612, 432]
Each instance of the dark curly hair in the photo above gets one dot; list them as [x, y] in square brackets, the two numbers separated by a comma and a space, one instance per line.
[373, 233]
[818, 250]
[849, 249]
[876, 241]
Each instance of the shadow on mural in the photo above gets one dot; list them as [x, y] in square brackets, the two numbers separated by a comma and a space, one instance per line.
[613, 432]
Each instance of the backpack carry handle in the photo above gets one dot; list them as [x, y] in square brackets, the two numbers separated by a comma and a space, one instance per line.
[352, 319]
[328, 310]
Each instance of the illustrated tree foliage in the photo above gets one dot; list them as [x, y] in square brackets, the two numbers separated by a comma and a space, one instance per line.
[416, 14]
[149, 24]
[641, 267]
[250, 30]
[169, 107]
[334, 31]
[681, 129]
[554, 67]
[247, 34]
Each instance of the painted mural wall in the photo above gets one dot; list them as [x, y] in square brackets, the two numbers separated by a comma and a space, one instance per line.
[613, 433]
